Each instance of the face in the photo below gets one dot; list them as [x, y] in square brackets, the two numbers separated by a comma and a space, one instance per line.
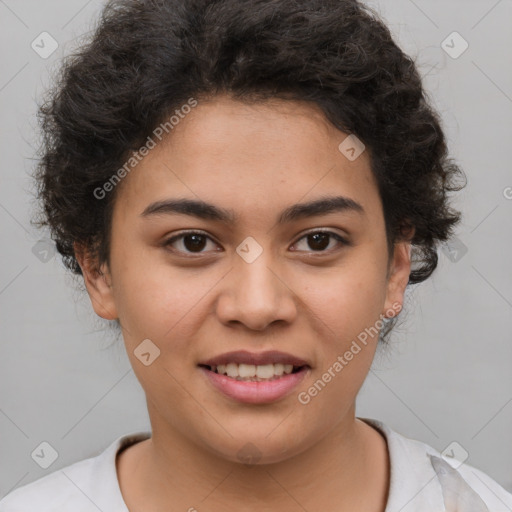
[309, 283]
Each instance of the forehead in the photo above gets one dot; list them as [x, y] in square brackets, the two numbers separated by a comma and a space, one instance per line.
[250, 158]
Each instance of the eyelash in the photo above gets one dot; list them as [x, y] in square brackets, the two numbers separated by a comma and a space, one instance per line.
[338, 237]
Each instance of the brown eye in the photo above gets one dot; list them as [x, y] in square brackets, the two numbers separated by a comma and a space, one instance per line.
[188, 242]
[319, 241]
[195, 242]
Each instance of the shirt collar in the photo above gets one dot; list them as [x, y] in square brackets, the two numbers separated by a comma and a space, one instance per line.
[414, 483]
[104, 483]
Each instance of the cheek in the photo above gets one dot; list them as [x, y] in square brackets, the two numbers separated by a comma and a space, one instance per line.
[347, 298]
[347, 303]
[346, 314]
[163, 303]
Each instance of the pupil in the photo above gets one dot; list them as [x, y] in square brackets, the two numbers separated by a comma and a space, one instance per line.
[319, 240]
[198, 244]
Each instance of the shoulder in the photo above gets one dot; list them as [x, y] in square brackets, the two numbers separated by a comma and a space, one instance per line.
[493, 494]
[55, 492]
[423, 479]
[88, 485]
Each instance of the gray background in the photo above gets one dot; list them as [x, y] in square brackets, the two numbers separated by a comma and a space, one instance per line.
[447, 378]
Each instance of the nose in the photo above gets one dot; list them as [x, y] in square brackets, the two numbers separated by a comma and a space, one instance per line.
[256, 295]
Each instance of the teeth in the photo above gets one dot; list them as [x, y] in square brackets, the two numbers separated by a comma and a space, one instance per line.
[246, 370]
[278, 369]
[232, 370]
[253, 372]
[265, 371]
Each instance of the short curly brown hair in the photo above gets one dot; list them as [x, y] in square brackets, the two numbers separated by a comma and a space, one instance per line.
[147, 57]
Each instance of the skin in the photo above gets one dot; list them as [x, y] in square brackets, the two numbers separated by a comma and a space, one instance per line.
[256, 160]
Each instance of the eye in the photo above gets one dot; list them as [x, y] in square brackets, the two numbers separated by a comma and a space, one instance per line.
[194, 242]
[318, 241]
[191, 241]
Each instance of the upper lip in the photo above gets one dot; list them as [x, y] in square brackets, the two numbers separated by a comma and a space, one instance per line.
[262, 358]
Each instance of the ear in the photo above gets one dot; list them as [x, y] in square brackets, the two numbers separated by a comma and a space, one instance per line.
[98, 282]
[398, 277]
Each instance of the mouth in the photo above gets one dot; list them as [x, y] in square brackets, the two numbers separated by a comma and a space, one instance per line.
[255, 367]
[254, 373]
[255, 378]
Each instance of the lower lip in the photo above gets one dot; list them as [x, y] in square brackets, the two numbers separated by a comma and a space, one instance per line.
[250, 392]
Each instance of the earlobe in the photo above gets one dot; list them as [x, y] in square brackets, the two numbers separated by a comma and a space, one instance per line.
[98, 282]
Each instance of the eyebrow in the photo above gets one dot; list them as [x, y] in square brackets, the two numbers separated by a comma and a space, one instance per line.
[207, 211]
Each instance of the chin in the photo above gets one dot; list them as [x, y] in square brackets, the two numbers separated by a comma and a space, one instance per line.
[259, 449]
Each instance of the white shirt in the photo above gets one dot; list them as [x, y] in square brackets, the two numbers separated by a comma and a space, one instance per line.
[422, 480]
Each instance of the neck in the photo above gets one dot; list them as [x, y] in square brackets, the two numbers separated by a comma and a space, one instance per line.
[346, 469]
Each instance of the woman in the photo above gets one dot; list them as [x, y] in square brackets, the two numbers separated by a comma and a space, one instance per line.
[244, 187]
